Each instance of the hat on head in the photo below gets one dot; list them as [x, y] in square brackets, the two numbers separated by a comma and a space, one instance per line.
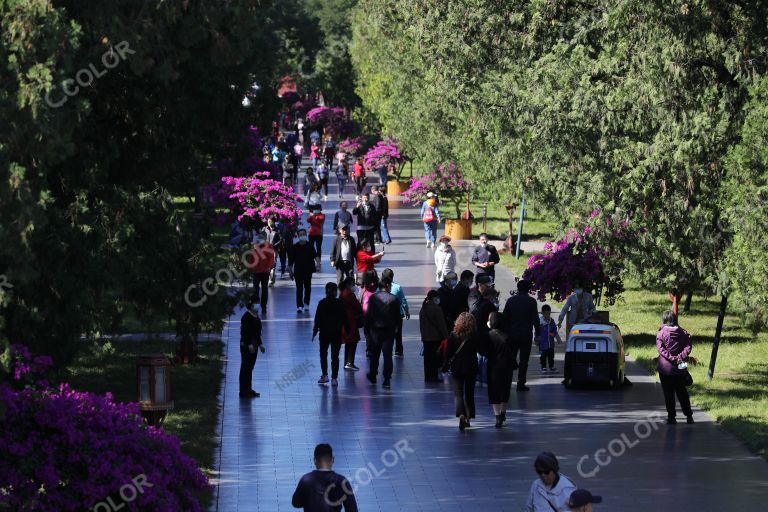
[547, 460]
[444, 239]
[430, 194]
[343, 226]
[484, 279]
[581, 497]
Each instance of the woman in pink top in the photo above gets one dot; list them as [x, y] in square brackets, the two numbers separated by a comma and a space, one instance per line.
[314, 154]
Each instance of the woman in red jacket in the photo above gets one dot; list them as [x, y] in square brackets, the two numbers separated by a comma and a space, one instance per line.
[354, 311]
[316, 221]
[366, 259]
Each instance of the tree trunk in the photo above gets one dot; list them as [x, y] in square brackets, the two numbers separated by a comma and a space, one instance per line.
[688, 300]
[718, 332]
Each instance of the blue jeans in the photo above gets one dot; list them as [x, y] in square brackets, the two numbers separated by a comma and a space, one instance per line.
[342, 185]
[384, 232]
[430, 231]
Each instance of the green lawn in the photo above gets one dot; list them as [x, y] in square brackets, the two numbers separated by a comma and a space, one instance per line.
[536, 227]
[194, 389]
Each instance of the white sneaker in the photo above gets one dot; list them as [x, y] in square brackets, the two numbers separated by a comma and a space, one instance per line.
[306, 309]
[299, 310]
[428, 245]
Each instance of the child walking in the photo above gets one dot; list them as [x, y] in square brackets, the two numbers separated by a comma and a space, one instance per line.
[547, 338]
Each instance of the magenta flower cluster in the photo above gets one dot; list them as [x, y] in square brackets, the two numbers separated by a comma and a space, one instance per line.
[447, 181]
[64, 450]
[574, 258]
[332, 119]
[24, 365]
[301, 107]
[350, 146]
[258, 197]
[382, 154]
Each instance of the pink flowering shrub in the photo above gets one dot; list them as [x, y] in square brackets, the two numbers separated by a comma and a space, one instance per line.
[67, 451]
[350, 146]
[446, 181]
[301, 107]
[573, 258]
[383, 154]
[332, 119]
[258, 197]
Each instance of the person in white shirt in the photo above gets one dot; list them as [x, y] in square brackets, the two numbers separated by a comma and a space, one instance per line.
[550, 492]
[578, 308]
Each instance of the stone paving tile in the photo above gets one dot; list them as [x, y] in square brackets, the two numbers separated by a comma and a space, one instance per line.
[267, 443]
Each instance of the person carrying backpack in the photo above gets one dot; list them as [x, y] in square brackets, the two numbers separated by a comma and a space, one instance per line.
[430, 216]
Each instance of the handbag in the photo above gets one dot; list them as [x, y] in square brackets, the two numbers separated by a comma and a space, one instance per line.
[688, 379]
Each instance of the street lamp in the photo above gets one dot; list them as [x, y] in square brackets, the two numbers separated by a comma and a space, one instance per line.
[153, 387]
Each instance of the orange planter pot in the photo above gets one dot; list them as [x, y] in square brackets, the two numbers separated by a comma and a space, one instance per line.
[459, 229]
[394, 189]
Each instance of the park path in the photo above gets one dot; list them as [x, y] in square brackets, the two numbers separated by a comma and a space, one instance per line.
[402, 448]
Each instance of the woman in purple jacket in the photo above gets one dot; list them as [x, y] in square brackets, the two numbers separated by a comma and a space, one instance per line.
[674, 345]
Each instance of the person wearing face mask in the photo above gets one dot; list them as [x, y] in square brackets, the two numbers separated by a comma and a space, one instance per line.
[331, 322]
[520, 320]
[552, 490]
[485, 257]
[485, 302]
[446, 295]
[250, 344]
[578, 308]
[430, 216]
[581, 500]
[366, 218]
[344, 254]
[354, 311]
[260, 263]
[461, 293]
[445, 258]
[433, 331]
[495, 346]
[366, 259]
[342, 217]
[302, 262]
[275, 238]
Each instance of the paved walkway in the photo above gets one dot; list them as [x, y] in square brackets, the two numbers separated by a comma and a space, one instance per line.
[402, 448]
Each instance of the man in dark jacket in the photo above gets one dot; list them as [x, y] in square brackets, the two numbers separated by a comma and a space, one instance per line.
[381, 205]
[343, 254]
[521, 321]
[461, 293]
[485, 304]
[381, 321]
[330, 319]
[250, 342]
[324, 490]
[485, 258]
[302, 262]
[366, 218]
[447, 300]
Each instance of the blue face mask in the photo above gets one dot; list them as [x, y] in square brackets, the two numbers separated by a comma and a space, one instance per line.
[437, 301]
[452, 283]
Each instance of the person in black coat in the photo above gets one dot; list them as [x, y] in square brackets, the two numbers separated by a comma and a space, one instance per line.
[485, 257]
[521, 321]
[485, 303]
[461, 293]
[330, 322]
[343, 254]
[461, 360]
[302, 262]
[324, 489]
[366, 218]
[250, 342]
[381, 205]
[501, 363]
[446, 295]
[381, 319]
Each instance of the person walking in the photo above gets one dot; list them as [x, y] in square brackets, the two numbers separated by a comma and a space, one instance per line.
[445, 258]
[274, 237]
[316, 221]
[485, 257]
[578, 307]
[381, 205]
[354, 312]
[323, 174]
[383, 172]
[287, 234]
[342, 216]
[461, 293]
[310, 180]
[366, 258]
[366, 218]
[331, 322]
[521, 318]
[358, 173]
[546, 340]
[433, 330]
[324, 490]
[674, 346]
[461, 360]
[302, 262]
[405, 313]
[381, 318]
[261, 264]
[250, 344]
[314, 199]
[446, 294]
[430, 216]
[552, 490]
[314, 154]
[485, 303]
[369, 285]
[342, 176]
[581, 500]
[495, 346]
[343, 254]
[298, 150]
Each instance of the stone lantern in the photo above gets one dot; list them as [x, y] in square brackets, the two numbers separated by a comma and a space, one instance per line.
[153, 386]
